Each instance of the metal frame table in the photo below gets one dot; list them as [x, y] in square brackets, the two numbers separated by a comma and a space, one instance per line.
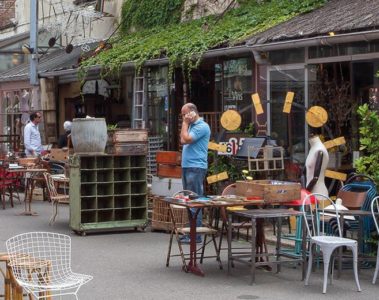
[360, 214]
[251, 258]
[29, 187]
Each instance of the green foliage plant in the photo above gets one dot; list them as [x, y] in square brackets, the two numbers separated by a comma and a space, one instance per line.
[159, 35]
[368, 163]
[144, 14]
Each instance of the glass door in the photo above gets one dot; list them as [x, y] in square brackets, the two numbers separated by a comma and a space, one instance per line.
[289, 130]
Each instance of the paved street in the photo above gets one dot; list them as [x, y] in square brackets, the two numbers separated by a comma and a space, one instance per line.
[131, 265]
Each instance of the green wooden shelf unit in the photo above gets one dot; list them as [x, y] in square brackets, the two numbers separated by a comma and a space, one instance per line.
[107, 192]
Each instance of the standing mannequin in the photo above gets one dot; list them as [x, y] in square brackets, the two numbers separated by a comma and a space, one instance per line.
[316, 164]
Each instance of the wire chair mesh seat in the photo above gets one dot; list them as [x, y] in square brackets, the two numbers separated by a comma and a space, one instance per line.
[41, 264]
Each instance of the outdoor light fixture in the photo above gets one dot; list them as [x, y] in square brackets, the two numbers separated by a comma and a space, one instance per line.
[52, 42]
[27, 49]
[69, 48]
[331, 33]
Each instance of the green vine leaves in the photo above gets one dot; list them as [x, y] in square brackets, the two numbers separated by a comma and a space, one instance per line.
[185, 43]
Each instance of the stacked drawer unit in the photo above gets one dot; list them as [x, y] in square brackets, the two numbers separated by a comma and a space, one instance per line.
[107, 192]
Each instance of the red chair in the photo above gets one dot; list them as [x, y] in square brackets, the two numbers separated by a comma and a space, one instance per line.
[5, 185]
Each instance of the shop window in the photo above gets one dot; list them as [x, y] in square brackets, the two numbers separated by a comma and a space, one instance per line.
[158, 102]
[234, 79]
[344, 49]
[289, 56]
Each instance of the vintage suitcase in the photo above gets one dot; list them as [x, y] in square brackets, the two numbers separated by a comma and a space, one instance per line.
[171, 171]
[271, 191]
[169, 157]
[165, 186]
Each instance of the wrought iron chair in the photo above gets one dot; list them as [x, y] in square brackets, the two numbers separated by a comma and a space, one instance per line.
[55, 198]
[41, 264]
[375, 212]
[319, 233]
[184, 231]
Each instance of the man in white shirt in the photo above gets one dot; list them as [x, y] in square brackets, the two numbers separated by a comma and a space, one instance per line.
[32, 136]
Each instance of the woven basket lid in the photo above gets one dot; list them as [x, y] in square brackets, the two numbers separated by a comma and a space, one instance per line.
[316, 116]
[230, 119]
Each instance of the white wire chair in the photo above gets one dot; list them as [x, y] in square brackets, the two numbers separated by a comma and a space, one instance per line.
[41, 264]
[375, 211]
[321, 235]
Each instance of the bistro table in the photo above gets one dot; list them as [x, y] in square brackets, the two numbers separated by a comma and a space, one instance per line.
[196, 206]
[251, 258]
[29, 174]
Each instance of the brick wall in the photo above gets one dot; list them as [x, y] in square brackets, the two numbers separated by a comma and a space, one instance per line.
[7, 11]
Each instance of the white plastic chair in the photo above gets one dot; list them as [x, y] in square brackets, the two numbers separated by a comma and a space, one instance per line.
[41, 264]
[316, 221]
[375, 210]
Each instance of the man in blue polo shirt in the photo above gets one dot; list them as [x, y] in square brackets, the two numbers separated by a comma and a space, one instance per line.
[194, 136]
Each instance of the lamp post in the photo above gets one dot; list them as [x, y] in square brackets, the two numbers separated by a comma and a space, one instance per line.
[33, 43]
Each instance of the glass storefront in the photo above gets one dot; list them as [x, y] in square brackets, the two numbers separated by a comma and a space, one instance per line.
[287, 129]
[158, 102]
[234, 85]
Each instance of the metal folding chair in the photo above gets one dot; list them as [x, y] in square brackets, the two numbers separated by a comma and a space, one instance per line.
[176, 212]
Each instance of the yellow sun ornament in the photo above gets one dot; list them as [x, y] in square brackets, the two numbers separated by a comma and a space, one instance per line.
[316, 116]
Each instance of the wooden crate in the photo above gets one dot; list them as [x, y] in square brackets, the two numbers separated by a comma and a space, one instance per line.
[169, 157]
[171, 171]
[129, 136]
[127, 149]
[271, 191]
[161, 216]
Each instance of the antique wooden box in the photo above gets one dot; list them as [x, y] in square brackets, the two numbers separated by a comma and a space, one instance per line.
[166, 170]
[129, 136]
[169, 157]
[271, 191]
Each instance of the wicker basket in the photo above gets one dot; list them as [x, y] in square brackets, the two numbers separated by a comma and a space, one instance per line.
[161, 216]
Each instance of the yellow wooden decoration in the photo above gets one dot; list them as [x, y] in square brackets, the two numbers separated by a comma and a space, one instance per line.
[257, 103]
[218, 177]
[230, 119]
[335, 175]
[335, 142]
[217, 147]
[316, 116]
[236, 208]
[288, 102]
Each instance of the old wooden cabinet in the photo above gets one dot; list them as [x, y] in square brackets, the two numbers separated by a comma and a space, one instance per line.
[107, 192]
